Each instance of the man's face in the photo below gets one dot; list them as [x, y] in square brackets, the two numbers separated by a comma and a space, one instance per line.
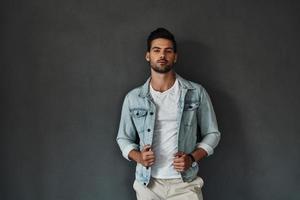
[161, 56]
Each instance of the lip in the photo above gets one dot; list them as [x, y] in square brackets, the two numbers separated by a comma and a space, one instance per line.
[162, 61]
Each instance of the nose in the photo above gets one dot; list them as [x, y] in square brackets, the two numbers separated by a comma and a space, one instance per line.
[162, 55]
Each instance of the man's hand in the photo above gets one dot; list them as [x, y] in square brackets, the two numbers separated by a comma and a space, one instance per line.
[182, 162]
[146, 157]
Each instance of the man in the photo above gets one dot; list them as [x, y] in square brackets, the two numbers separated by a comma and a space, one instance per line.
[158, 127]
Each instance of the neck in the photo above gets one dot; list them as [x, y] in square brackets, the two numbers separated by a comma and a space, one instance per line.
[162, 82]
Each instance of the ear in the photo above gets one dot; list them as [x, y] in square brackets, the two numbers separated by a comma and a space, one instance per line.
[147, 56]
[175, 59]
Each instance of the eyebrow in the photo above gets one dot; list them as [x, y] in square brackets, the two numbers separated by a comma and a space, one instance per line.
[161, 48]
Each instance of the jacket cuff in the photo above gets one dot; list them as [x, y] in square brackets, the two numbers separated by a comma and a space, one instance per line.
[209, 150]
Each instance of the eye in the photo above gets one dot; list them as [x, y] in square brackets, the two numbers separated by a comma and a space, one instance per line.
[169, 51]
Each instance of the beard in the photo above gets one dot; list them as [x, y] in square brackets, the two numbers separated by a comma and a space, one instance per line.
[162, 69]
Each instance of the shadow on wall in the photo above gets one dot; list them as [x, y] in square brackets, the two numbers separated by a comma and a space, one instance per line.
[231, 165]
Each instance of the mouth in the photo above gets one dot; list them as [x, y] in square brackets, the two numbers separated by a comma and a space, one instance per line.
[162, 61]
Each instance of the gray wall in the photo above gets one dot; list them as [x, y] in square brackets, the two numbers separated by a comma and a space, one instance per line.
[66, 66]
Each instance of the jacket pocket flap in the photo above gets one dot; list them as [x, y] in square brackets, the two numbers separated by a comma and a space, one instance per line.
[138, 112]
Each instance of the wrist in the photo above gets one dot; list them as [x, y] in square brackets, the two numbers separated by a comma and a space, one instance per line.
[135, 155]
[199, 154]
[191, 157]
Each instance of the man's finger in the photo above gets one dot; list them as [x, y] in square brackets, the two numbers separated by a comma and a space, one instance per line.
[177, 160]
[178, 165]
[179, 169]
[150, 160]
[148, 153]
[149, 156]
[149, 164]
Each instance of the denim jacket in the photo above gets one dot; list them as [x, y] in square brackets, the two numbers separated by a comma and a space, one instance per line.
[195, 110]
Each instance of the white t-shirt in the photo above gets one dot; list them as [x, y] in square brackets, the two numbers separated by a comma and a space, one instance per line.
[165, 136]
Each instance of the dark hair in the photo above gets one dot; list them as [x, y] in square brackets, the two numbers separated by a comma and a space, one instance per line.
[161, 33]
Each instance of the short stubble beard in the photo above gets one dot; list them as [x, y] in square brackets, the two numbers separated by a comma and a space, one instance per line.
[162, 70]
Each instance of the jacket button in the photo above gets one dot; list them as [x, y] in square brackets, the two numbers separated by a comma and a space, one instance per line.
[144, 183]
[148, 129]
[190, 106]
[151, 113]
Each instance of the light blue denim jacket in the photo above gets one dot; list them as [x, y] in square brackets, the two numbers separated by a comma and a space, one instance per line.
[138, 118]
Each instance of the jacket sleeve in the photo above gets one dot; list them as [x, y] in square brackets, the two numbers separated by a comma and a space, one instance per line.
[126, 137]
[210, 135]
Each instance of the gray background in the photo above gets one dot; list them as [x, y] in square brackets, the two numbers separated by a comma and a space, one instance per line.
[66, 66]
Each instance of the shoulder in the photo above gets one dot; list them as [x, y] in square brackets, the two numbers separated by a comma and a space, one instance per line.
[196, 90]
[134, 93]
[197, 87]
[133, 96]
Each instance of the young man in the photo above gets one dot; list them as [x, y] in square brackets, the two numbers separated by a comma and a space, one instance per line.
[158, 127]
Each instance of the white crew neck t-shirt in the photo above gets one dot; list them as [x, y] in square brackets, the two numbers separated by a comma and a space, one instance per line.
[165, 136]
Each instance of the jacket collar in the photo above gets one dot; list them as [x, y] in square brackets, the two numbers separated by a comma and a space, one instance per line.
[185, 84]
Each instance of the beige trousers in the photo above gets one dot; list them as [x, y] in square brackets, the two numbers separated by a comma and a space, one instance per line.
[170, 189]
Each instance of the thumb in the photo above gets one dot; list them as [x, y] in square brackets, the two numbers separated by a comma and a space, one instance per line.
[147, 148]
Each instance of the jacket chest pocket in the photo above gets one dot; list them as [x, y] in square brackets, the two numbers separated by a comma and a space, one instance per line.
[189, 113]
[139, 118]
